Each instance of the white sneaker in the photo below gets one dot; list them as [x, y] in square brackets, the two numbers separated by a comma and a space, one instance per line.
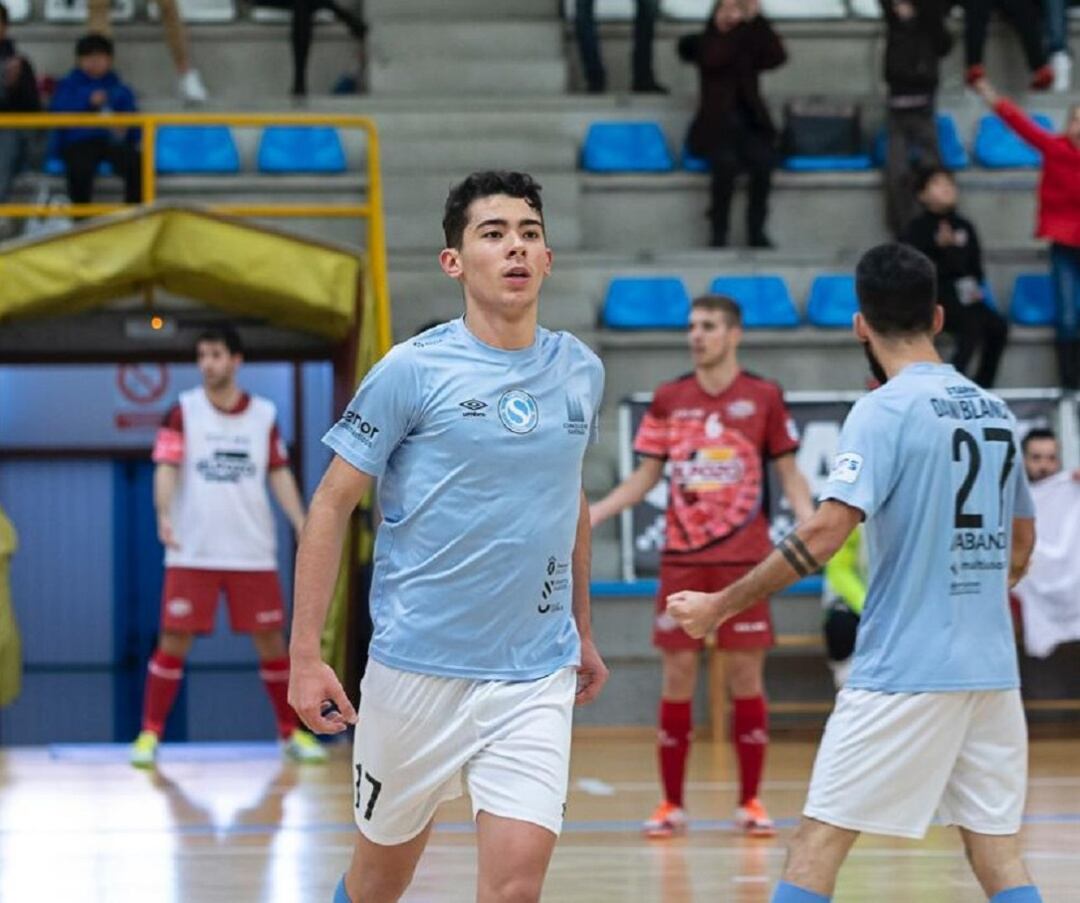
[192, 88]
[1061, 63]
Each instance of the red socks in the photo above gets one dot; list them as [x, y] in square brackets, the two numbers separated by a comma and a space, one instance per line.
[275, 677]
[673, 747]
[163, 676]
[750, 734]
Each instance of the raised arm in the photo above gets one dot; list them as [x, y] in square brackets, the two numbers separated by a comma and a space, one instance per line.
[1014, 117]
[629, 492]
[796, 556]
[593, 673]
[311, 681]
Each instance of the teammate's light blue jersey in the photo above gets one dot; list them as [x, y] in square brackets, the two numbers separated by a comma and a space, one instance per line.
[478, 454]
[932, 461]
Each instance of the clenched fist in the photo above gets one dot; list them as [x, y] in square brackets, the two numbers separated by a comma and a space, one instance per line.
[696, 613]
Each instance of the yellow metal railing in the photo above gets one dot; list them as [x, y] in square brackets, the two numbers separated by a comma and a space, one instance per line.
[372, 211]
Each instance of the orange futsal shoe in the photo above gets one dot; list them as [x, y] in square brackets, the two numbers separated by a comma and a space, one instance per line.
[666, 821]
[752, 819]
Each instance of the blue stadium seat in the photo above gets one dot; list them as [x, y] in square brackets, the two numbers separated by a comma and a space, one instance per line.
[646, 302]
[693, 164]
[999, 147]
[196, 149]
[765, 300]
[626, 147]
[301, 149]
[54, 166]
[848, 163]
[832, 301]
[953, 153]
[1032, 300]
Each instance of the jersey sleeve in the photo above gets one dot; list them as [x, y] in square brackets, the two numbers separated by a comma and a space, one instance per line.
[652, 432]
[598, 398]
[169, 441]
[1024, 502]
[781, 433]
[864, 470]
[381, 414]
[279, 451]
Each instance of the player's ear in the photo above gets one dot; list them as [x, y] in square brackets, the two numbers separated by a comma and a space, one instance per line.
[939, 318]
[450, 261]
[859, 327]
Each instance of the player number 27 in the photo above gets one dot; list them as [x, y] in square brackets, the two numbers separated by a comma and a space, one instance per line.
[962, 440]
[376, 789]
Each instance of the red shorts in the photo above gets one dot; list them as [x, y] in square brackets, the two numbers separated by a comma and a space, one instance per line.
[752, 629]
[190, 596]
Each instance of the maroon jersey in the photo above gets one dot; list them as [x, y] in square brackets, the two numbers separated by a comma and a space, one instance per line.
[717, 446]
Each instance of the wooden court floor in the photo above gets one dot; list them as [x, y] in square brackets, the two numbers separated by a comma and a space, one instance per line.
[248, 828]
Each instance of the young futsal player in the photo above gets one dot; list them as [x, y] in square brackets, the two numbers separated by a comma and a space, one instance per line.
[215, 453]
[718, 427]
[930, 719]
[474, 432]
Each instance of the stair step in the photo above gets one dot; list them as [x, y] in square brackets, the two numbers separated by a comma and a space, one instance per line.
[454, 77]
[401, 39]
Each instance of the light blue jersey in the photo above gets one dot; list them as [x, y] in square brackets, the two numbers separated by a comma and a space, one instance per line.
[932, 461]
[478, 454]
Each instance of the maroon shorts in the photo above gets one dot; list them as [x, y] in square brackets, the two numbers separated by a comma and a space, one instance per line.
[190, 596]
[752, 629]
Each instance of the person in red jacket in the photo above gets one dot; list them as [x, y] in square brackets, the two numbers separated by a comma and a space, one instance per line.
[1059, 217]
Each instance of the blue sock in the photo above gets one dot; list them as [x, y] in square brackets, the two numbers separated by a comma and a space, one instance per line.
[1029, 893]
[789, 893]
[340, 894]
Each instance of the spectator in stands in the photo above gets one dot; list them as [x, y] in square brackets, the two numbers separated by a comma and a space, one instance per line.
[1057, 42]
[915, 41]
[300, 34]
[92, 86]
[190, 84]
[644, 81]
[1059, 218]
[732, 128]
[1025, 16]
[18, 94]
[1041, 457]
[952, 243]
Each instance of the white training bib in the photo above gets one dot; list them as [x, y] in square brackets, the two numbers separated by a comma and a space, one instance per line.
[221, 512]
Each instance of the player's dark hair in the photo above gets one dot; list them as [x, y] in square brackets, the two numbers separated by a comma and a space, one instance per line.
[897, 290]
[93, 43]
[5, 17]
[223, 334]
[484, 185]
[924, 176]
[729, 307]
[1034, 435]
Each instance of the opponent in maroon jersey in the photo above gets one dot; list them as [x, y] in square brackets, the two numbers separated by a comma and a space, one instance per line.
[715, 429]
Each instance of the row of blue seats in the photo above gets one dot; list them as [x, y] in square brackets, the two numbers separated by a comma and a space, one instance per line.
[211, 150]
[641, 147]
[662, 302]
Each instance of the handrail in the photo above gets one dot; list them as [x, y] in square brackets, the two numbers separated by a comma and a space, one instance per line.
[150, 122]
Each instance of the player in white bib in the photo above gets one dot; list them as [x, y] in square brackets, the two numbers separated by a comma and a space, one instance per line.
[475, 432]
[216, 452]
[930, 719]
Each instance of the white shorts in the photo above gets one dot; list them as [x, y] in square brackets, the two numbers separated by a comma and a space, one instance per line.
[889, 761]
[422, 740]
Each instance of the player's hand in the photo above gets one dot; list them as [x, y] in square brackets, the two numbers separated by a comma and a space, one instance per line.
[316, 695]
[696, 613]
[165, 533]
[592, 673]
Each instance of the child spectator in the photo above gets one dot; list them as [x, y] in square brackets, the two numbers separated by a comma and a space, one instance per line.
[1059, 218]
[732, 128]
[1025, 16]
[952, 243]
[18, 94]
[93, 86]
[915, 41]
